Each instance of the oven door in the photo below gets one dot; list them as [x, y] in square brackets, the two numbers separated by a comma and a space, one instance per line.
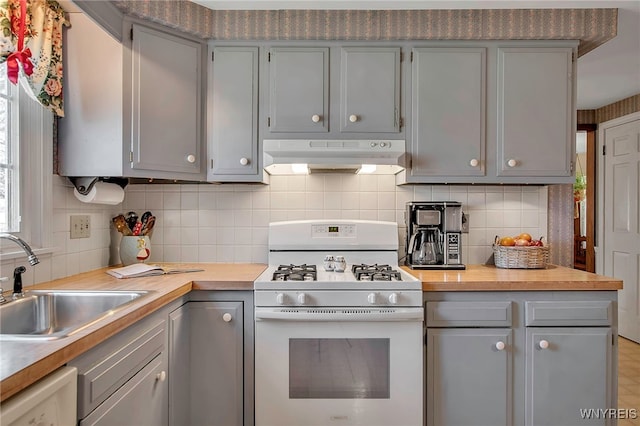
[339, 366]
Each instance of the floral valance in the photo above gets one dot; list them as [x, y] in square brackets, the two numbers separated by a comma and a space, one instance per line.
[31, 44]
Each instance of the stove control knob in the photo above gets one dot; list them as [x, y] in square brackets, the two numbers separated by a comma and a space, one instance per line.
[371, 298]
[280, 298]
[393, 298]
[302, 298]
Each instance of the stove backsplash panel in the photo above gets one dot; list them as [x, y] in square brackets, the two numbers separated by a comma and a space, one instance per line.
[228, 223]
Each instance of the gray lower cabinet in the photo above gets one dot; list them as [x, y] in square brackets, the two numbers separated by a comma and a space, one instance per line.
[232, 112]
[469, 370]
[124, 380]
[211, 360]
[526, 358]
[567, 370]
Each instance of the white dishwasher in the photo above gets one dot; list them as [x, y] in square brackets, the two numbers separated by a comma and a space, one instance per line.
[52, 401]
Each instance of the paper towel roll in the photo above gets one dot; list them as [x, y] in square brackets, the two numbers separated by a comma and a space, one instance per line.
[102, 193]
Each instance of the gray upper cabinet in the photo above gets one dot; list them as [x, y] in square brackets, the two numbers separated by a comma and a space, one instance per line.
[370, 89]
[492, 112]
[166, 100]
[299, 89]
[535, 111]
[232, 111]
[448, 110]
[332, 91]
[132, 109]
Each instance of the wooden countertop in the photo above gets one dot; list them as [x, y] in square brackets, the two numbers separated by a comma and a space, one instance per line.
[22, 363]
[490, 278]
[25, 362]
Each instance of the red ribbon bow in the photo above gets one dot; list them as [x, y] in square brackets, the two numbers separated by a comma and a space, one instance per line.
[12, 64]
[21, 54]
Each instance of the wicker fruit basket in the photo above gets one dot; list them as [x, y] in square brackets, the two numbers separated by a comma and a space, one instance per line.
[520, 257]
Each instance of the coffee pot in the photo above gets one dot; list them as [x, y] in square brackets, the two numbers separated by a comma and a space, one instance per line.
[426, 247]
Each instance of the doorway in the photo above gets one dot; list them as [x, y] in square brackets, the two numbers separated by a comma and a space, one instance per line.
[584, 197]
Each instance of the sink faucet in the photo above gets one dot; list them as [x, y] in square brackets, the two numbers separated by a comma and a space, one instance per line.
[33, 259]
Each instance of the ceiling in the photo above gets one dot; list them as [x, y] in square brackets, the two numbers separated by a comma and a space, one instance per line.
[607, 74]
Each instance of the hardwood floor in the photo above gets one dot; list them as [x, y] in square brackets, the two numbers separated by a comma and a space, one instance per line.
[629, 379]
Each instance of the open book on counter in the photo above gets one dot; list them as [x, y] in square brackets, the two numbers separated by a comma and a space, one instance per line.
[143, 270]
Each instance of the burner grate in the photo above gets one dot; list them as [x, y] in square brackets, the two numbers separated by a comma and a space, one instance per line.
[375, 272]
[302, 272]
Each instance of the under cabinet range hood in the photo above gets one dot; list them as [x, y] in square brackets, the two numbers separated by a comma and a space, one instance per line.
[303, 156]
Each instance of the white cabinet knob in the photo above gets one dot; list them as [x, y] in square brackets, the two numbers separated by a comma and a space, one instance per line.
[500, 346]
[227, 317]
[353, 118]
[280, 298]
[315, 118]
[473, 162]
[393, 298]
[302, 298]
[383, 144]
[543, 344]
[512, 163]
[161, 376]
[244, 161]
[191, 158]
[371, 298]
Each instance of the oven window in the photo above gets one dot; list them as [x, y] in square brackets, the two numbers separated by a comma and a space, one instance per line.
[339, 368]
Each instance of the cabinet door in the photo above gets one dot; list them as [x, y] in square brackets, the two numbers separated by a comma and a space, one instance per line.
[469, 378]
[233, 112]
[370, 89]
[299, 89]
[536, 116]
[448, 112]
[569, 372]
[141, 401]
[206, 362]
[166, 102]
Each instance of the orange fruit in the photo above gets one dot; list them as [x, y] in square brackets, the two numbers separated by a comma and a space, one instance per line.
[507, 241]
[524, 236]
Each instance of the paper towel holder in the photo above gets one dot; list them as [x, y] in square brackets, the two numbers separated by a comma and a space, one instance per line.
[84, 184]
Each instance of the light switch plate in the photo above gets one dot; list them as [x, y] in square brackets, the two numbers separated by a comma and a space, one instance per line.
[80, 226]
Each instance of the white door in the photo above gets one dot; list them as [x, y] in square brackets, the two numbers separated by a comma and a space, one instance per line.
[621, 220]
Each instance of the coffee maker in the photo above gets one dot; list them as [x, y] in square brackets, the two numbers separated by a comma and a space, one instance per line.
[434, 235]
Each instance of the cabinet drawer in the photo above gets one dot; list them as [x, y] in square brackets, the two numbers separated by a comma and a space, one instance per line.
[107, 367]
[139, 402]
[563, 313]
[469, 314]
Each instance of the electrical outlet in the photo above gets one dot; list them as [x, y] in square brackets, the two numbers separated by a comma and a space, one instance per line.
[465, 223]
[80, 226]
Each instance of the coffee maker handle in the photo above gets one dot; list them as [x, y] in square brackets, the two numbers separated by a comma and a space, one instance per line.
[412, 241]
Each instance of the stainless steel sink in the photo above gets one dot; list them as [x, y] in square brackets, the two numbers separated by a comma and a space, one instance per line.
[53, 314]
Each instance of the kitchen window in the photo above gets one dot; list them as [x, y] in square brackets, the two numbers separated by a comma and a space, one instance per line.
[26, 141]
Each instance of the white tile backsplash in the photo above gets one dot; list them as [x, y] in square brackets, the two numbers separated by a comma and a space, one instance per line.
[229, 223]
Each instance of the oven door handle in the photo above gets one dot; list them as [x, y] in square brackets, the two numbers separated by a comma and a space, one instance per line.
[342, 314]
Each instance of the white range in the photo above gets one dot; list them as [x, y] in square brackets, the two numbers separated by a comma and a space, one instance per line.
[338, 347]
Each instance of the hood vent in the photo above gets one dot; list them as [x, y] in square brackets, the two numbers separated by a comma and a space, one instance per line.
[301, 156]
